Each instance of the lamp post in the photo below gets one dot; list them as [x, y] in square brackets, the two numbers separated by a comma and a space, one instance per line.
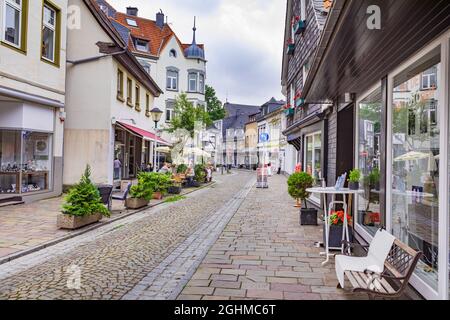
[156, 117]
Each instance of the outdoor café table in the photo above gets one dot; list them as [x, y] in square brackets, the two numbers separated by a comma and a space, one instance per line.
[324, 191]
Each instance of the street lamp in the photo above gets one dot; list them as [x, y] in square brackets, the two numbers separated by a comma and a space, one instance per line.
[156, 114]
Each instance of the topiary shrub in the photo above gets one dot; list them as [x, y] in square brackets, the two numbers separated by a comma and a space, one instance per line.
[297, 185]
[182, 168]
[157, 182]
[84, 198]
[200, 173]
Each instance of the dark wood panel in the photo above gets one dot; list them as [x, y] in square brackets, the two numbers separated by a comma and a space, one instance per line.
[356, 57]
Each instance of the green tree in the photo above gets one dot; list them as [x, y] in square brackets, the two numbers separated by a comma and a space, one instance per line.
[214, 105]
[186, 115]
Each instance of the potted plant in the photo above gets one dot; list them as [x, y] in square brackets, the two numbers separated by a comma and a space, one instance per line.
[140, 194]
[182, 168]
[160, 183]
[83, 205]
[200, 173]
[175, 188]
[336, 229]
[353, 179]
[297, 185]
[290, 46]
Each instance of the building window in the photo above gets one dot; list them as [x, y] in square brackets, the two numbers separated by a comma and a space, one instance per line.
[137, 104]
[132, 22]
[172, 80]
[147, 105]
[414, 167]
[193, 78]
[130, 92]
[313, 160]
[120, 85]
[292, 96]
[50, 33]
[368, 214]
[172, 53]
[303, 9]
[429, 79]
[14, 24]
[145, 65]
[141, 45]
[202, 83]
[169, 111]
[306, 68]
[25, 162]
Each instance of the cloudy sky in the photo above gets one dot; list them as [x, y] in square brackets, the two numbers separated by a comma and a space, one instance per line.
[243, 39]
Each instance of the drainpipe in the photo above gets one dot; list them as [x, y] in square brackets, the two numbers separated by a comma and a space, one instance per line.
[75, 62]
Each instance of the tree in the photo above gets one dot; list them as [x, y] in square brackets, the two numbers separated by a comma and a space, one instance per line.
[186, 115]
[214, 105]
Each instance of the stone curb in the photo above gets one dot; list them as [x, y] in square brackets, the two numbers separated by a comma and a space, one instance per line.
[20, 254]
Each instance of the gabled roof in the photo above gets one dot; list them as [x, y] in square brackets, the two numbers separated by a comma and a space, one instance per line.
[119, 49]
[146, 30]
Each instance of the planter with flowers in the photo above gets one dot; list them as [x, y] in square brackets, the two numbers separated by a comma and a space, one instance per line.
[290, 46]
[337, 229]
[298, 183]
[299, 101]
[299, 25]
[288, 110]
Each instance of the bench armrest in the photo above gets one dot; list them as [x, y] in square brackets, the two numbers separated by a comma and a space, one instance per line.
[348, 245]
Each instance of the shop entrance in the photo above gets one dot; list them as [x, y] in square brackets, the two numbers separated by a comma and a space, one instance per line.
[345, 141]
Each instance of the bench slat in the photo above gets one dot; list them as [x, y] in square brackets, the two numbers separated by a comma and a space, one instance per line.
[353, 281]
[361, 282]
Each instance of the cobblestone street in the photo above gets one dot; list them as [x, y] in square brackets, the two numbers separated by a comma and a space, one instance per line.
[116, 257]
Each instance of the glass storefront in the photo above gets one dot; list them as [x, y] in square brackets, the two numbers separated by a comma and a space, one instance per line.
[368, 162]
[415, 161]
[313, 160]
[25, 161]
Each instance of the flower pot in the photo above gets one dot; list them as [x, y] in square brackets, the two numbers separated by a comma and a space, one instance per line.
[299, 26]
[195, 184]
[335, 236]
[291, 48]
[135, 203]
[175, 190]
[353, 185]
[66, 221]
[157, 195]
[308, 217]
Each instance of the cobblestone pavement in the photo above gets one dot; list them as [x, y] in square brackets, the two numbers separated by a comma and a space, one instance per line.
[116, 257]
[26, 226]
[264, 253]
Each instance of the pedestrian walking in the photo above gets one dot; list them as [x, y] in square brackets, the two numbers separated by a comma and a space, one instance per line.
[117, 169]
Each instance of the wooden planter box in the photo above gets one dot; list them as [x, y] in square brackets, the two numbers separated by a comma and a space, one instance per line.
[66, 221]
[134, 203]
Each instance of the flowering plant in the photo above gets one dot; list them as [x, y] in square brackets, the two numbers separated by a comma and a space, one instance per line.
[290, 41]
[287, 106]
[337, 218]
[298, 95]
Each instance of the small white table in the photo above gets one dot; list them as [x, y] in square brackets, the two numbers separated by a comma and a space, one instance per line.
[324, 191]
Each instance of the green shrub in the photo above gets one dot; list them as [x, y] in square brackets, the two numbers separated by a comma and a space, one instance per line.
[84, 198]
[182, 168]
[297, 185]
[143, 190]
[354, 176]
[157, 182]
[200, 173]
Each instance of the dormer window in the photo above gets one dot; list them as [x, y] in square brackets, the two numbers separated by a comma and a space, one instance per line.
[132, 22]
[173, 53]
[141, 45]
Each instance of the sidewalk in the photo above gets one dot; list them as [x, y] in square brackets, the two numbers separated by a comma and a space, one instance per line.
[264, 253]
[28, 226]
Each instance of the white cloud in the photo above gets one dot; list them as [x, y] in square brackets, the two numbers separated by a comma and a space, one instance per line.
[243, 39]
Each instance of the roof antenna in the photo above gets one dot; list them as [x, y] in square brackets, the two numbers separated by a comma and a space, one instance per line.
[195, 29]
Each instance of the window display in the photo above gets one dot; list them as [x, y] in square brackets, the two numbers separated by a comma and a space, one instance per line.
[25, 161]
[369, 132]
[313, 160]
[415, 161]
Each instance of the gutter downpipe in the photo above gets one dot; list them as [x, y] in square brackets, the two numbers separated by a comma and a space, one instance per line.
[75, 62]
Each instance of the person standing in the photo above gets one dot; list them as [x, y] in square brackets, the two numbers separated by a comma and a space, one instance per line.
[117, 169]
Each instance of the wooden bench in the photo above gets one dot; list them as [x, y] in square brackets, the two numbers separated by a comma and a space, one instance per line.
[392, 282]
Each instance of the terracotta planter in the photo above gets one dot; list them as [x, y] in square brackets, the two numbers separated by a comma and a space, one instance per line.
[157, 195]
[66, 221]
[134, 203]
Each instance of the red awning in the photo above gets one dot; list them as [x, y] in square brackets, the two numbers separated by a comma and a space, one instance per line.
[144, 133]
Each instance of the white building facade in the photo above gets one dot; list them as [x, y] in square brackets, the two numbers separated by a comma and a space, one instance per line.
[32, 98]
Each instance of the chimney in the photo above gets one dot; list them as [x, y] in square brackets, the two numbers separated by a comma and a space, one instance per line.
[160, 19]
[132, 11]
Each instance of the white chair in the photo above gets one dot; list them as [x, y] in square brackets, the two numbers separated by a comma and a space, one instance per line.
[374, 261]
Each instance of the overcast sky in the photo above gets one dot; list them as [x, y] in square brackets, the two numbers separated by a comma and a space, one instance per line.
[243, 39]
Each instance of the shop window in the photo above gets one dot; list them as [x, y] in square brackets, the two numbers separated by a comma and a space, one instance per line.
[26, 162]
[313, 160]
[14, 23]
[368, 213]
[415, 161]
[50, 33]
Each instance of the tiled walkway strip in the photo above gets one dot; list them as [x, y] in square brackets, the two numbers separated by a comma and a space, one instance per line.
[167, 280]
